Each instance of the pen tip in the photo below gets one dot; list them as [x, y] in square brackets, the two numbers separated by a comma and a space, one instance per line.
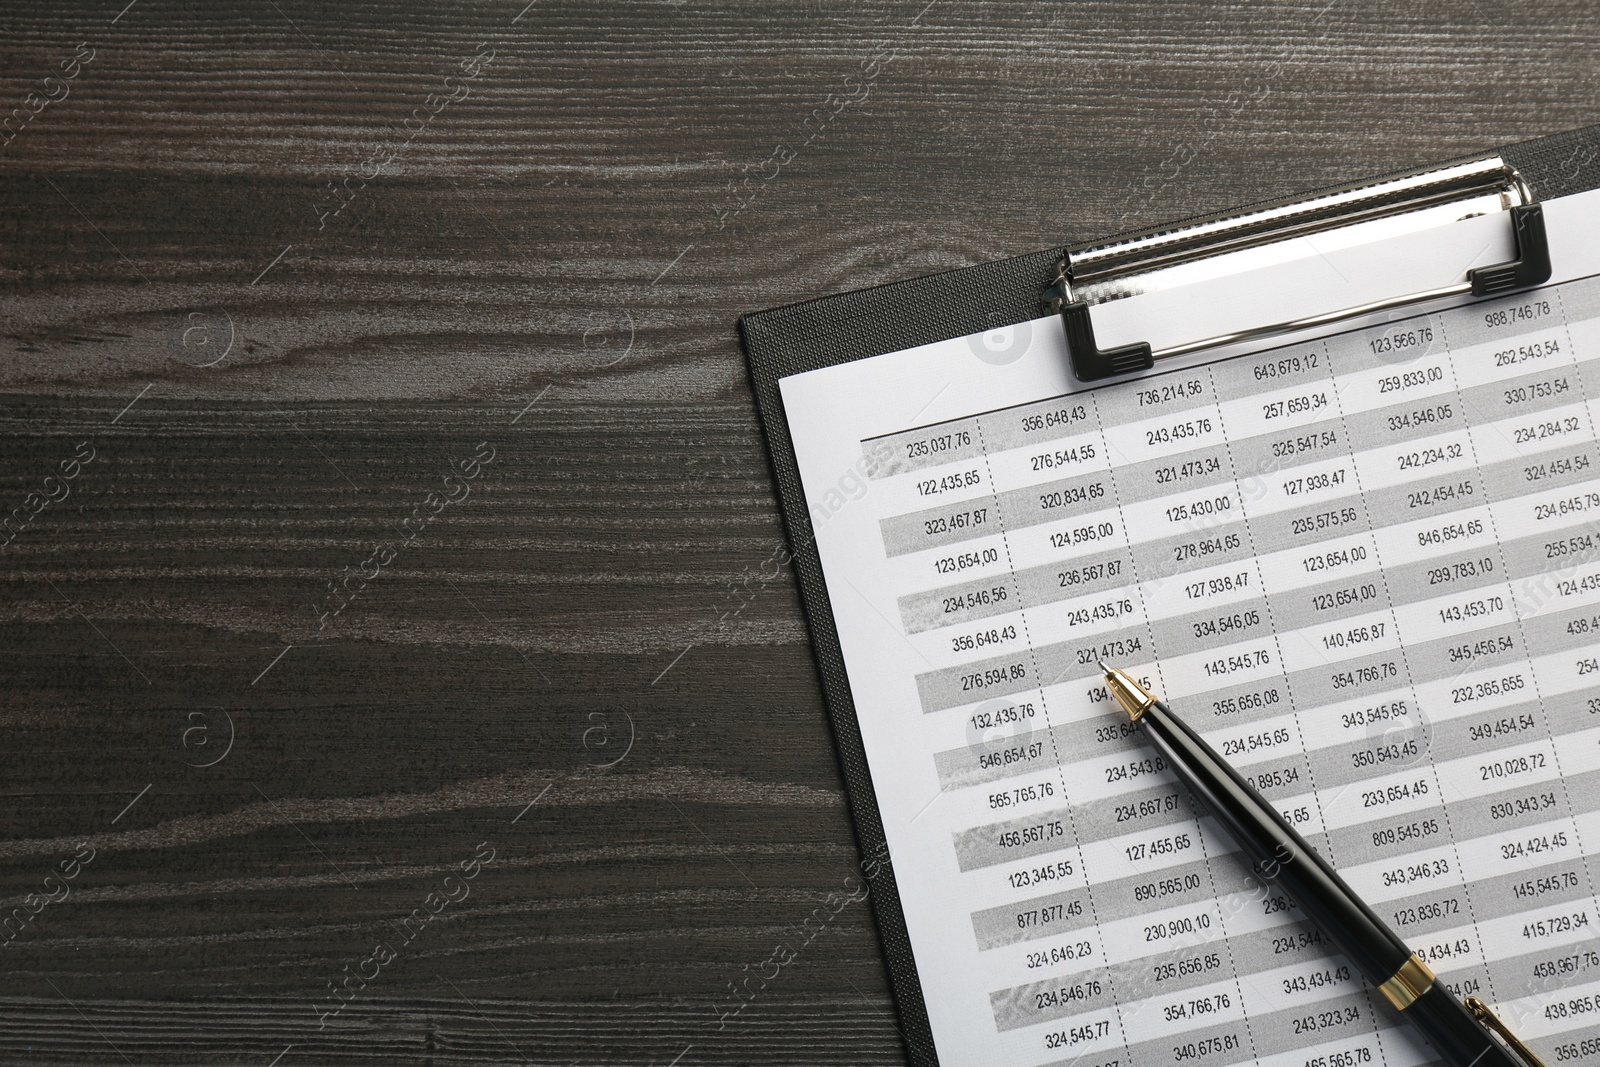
[1132, 696]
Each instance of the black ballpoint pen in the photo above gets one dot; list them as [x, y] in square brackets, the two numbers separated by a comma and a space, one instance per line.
[1462, 1034]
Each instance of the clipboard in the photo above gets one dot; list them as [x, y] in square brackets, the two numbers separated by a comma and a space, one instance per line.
[1072, 282]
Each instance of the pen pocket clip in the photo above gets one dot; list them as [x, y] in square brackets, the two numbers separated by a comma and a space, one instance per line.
[1491, 1022]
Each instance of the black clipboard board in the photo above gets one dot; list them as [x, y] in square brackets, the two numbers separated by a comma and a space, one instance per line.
[858, 325]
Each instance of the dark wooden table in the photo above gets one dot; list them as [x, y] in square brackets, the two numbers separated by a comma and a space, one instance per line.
[427, 522]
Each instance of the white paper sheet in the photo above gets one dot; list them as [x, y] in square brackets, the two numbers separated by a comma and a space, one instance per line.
[1366, 565]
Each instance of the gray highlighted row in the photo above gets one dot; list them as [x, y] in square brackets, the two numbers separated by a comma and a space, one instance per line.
[1197, 960]
[1418, 741]
[1329, 516]
[972, 600]
[1455, 579]
[1241, 1042]
[1396, 345]
[1445, 907]
[931, 446]
[1165, 974]
[1120, 898]
[1153, 811]
[1368, 679]
[1005, 741]
[1545, 971]
[1448, 574]
[1578, 301]
[949, 523]
[1009, 737]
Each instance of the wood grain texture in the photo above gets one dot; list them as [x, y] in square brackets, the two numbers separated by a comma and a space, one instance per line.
[549, 267]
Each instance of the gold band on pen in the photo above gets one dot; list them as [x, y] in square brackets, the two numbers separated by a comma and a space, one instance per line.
[1414, 978]
[1404, 986]
[1133, 697]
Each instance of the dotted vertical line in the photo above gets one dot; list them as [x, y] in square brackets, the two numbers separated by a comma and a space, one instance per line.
[1200, 839]
[1266, 600]
[1566, 327]
[1050, 732]
[1388, 594]
[1272, 622]
[1522, 633]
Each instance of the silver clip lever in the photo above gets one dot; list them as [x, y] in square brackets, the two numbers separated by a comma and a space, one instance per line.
[1097, 273]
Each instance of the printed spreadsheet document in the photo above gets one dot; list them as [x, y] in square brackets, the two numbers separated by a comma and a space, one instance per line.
[1365, 565]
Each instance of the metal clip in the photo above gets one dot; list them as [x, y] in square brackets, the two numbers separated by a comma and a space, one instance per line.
[1125, 267]
[1480, 1011]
